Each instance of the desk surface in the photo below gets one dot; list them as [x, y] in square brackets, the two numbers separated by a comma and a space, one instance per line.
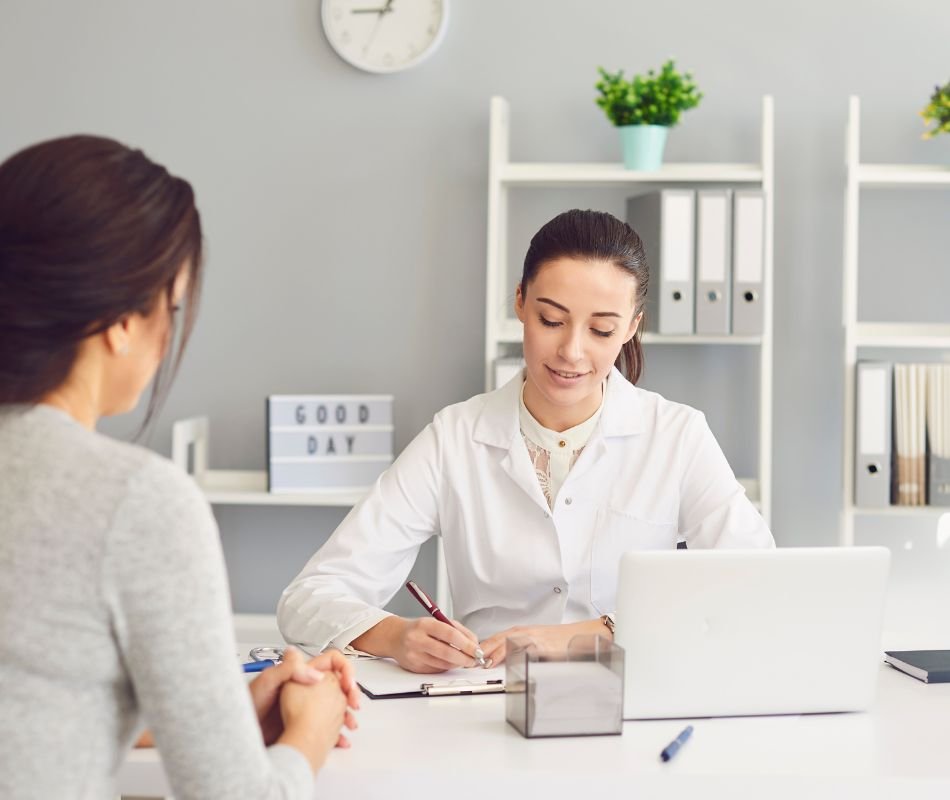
[461, 747]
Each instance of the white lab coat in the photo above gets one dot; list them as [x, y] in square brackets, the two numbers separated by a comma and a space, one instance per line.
[651, 474]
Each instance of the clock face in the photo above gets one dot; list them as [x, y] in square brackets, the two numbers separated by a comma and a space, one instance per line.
[384, 35]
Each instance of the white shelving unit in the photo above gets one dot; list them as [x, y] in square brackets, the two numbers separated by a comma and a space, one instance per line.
[190, 444]
[858, 335]
[502, 330]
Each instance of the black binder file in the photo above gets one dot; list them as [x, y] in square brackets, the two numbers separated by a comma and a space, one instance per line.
[929, 666]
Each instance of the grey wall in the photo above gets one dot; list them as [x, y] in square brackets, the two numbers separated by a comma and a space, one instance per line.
[346, 213]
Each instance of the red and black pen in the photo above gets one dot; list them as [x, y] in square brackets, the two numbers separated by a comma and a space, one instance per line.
[429, 605]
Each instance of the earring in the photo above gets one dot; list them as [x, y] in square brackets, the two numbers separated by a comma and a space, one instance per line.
[124, 349]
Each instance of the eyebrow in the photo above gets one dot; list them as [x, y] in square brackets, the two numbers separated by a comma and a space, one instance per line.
[568, 311]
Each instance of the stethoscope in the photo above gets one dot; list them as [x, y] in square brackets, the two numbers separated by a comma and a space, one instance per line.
[262, 658]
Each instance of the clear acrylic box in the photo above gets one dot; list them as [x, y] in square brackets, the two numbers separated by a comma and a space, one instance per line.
[577, 692]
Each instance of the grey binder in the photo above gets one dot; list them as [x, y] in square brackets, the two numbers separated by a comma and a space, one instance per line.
[938, 481]
[938, 434]
[748, 262]
[713, 261]
[874, 382]
[665, 221]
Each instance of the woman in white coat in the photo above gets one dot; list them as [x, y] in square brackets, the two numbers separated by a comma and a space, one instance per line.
[536, 488]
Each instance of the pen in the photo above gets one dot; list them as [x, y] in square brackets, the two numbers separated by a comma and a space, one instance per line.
[436, 612]
[258, 666]
[673, 747]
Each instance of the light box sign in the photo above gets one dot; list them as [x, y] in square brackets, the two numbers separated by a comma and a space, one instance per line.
[327, 442]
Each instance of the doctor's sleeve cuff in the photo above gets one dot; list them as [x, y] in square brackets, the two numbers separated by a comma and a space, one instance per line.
[342, 640]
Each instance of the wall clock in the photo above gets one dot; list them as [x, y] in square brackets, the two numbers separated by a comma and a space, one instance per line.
[385, 35]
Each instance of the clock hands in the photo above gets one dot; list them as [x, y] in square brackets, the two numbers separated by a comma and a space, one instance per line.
[386, 9]
[382, 12]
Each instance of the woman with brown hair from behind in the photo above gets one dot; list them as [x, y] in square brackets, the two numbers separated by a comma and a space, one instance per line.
[114, 605]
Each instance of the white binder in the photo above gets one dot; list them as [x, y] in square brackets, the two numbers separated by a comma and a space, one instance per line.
[713, 261]
[665, 221]
[910, 417]
[748, 265]
[872, 441]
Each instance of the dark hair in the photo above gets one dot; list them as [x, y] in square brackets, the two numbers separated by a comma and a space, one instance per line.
[90, 231]
[595, 236]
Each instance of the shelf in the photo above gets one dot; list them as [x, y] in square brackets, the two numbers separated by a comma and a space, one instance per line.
[897, 335]
[511, 333]
[875, 335]
[249, 488]
[699, 338]
[902, 175]
[242, 487]
[503, 334]
[900, 511]
[543, 174]
[751, 486]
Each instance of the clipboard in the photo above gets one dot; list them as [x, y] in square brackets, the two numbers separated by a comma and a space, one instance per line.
[383, 678]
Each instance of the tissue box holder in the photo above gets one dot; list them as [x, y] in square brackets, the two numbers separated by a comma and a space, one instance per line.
[578, 692]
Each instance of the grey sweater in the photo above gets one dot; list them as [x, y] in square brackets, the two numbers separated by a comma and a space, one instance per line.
[114, 614]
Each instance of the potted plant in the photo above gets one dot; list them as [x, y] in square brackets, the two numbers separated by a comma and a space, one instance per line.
[644, 109]
[937, 111]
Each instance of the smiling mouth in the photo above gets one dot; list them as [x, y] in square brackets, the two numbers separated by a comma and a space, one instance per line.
[568, 375]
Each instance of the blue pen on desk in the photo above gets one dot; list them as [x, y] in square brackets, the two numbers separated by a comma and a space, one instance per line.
[258, 666]
[262, 658]
[673, 747]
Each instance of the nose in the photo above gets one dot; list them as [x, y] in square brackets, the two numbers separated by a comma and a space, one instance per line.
[570, 347]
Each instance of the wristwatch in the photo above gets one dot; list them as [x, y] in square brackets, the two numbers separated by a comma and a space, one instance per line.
[610, 620]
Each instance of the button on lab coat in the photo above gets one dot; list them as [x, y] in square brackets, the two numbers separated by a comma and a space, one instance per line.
[652, 473]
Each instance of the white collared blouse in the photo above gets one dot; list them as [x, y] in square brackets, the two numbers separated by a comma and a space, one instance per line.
[651, 474]
[553, 453]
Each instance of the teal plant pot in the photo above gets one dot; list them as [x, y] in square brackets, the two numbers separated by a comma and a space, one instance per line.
[643, 146]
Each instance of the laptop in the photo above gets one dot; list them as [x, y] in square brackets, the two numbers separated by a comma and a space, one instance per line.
[734, 632]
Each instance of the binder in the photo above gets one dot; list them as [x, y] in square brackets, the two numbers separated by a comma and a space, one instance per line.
[748, 265]
[665, 220]
[381, 678]
[909, 435]
[714, 261]
[929, 666]
[938, 434]
[872, 440]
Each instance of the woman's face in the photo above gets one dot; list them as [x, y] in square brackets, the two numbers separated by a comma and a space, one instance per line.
[577, 314]
[143, 344]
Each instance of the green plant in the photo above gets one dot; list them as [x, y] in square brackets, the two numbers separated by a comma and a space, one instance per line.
[647, 100]
[937, 111]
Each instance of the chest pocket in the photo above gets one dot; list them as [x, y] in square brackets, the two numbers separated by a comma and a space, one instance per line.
[614, 534]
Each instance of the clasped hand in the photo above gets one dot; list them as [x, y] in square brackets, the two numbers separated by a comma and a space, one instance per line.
[331, 668]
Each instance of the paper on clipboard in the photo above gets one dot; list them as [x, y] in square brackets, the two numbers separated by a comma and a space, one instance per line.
[383, 677]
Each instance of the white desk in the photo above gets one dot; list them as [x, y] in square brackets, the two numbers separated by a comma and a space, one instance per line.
[461, 747]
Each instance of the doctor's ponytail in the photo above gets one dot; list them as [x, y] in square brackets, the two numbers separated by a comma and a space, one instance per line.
[595, 235]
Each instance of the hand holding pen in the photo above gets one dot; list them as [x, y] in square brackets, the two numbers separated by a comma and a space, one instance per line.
[436, 643]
